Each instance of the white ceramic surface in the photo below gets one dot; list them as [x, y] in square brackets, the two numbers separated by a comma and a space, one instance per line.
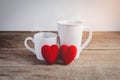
[70, 33]
[40, 39]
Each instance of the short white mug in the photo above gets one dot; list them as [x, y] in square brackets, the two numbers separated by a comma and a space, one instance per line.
[40, 39]
[70, 33]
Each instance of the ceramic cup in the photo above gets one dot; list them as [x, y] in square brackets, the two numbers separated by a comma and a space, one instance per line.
[70, 33]
[40, 39]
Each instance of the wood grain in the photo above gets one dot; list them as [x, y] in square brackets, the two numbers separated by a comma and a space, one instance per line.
[59, 73]
[100, 60]
[87, 58]
[13, 40]
[100, 40]
[104, 40]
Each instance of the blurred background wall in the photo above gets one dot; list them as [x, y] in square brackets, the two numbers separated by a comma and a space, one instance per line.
[35, 15]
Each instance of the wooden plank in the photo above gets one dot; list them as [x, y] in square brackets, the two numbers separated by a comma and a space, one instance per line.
[18, 58]
[87, 58]
[15, 39]
[100, 40]
[55, 72]
[104, 40]
[99, 58]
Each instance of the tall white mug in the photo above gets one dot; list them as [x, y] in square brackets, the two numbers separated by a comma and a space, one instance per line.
[40, 39]
[70, 33]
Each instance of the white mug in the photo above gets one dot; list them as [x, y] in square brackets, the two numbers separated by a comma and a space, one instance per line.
[40, 39]
[70, 33]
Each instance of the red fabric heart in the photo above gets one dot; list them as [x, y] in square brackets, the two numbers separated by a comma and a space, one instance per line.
[68, 53]
[50, 53]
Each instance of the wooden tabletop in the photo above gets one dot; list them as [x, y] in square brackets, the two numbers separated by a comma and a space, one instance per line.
[100, 60]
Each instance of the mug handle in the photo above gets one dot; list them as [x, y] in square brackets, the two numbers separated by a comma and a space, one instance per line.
[26, 45]
[88, 39]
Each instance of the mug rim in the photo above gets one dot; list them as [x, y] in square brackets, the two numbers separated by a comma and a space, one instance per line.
[45, 35]
[70, 22]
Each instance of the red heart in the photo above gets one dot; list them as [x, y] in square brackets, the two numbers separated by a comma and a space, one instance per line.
[68, 53]
[50, 54]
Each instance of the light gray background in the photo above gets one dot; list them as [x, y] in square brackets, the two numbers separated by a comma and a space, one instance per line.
[32, 15]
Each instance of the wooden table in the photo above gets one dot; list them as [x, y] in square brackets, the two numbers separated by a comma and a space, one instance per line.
[100, 60]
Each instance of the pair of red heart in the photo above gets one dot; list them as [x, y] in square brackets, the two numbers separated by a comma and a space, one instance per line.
[50, 53]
